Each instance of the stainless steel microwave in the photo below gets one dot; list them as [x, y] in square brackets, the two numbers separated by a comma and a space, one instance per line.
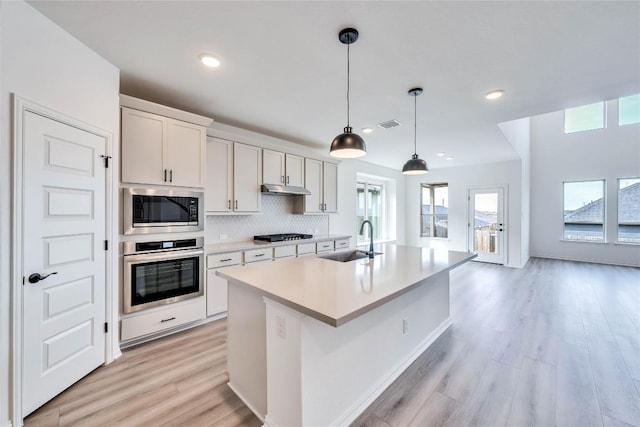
[149, 210]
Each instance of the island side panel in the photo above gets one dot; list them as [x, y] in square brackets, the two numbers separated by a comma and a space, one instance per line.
[246, 346]
[338, 372]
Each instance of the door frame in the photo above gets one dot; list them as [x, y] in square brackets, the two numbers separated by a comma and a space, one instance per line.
[112, 350]
[505, 217]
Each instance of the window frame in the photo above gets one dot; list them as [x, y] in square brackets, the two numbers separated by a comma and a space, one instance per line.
[618, 241]
[383, 210]
[604, 212]
[432, 187]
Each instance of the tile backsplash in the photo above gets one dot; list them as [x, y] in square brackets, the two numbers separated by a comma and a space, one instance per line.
[276, 217]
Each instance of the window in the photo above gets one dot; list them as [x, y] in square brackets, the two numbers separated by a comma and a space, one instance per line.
[629, 210]
[584, 210]
[370, 200]
[629, 110]
[586, 117]
[434, 215]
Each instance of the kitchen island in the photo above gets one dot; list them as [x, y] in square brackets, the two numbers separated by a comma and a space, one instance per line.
[313, 341]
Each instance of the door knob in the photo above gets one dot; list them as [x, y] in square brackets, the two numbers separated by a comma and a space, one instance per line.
[36, 277]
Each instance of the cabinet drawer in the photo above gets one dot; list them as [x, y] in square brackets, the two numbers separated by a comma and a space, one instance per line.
[325, 246]
[342, 244]
[224, 260]
[258, 255]
[159, 320]
[284, 251]
[306, 248]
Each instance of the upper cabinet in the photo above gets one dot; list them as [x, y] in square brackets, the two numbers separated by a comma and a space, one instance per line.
[281, 168]
[159, 149]
[321, 179]
[234, 177]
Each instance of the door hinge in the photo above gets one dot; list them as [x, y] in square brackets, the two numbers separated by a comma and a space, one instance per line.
[106, 245]
[106, 327]
[106, 160]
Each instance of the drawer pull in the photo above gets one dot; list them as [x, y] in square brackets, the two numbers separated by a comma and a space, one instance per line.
[257, 255]
[168, 320]
[225, 260]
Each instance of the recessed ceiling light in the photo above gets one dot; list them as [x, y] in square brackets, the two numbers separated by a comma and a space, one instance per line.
[367, 130]
[450, 158]
[494, 94]
[209, 60]
[440, 154]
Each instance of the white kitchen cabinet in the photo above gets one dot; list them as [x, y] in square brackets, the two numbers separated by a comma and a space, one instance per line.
[162, 151]
[325, 246]
[280, 252]
[306, 249]
[321, 179]
[257, 255]
[234, 177]
[217, 286]
[281, 168]
[342, 244]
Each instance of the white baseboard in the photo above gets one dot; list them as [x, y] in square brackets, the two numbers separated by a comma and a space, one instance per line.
[248, 403]
[375, 391]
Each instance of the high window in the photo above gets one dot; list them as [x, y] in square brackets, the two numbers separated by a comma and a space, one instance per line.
[586, 117]
[629, 210]
[370, 205]
[629, 110]
[584, 210]
[434, 214]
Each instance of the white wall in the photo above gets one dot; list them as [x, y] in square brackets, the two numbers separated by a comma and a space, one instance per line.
[43, 64]
[610, 153]
[346, 221]
[460, 179]
[518, 133]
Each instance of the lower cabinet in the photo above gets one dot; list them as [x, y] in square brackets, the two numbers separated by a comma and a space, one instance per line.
[217, 286]
[324, 246]
[157, 320]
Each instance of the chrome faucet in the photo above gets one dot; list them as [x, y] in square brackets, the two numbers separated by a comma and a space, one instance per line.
[366, 221]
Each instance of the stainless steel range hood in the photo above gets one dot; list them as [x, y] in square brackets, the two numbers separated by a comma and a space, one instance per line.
[284, 190]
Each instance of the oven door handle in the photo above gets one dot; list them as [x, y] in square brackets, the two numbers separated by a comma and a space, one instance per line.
[163, 256]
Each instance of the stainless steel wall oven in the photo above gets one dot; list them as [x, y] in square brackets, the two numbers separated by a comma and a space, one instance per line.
[150, 210]
[162, 272]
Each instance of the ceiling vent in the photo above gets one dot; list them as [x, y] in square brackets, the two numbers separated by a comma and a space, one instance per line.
[389, 124]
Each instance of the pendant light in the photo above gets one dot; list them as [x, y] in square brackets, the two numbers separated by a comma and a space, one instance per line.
[414, 165]
[348, 145]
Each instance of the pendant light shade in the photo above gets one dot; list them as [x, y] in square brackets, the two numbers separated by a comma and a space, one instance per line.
[415, 165]
[348, 145]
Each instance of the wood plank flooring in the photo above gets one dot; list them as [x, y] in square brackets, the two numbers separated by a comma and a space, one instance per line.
[555, 343]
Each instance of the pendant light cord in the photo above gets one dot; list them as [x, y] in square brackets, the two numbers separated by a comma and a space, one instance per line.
[415, 124]
[348, 66]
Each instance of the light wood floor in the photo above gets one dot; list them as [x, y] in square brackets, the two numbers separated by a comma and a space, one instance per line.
[556, 343]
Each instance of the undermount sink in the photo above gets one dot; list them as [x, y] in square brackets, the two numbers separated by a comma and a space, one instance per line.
[348, 256]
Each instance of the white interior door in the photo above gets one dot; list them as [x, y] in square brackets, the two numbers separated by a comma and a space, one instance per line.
[63, 235]
[487, 227]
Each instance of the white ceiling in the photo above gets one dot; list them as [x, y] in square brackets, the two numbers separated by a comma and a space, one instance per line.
[283, 69]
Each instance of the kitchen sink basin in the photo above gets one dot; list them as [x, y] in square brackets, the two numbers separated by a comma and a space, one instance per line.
[347, 256]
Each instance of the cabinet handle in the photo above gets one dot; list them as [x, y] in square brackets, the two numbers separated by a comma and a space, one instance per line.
[168, 320]
[325, 206]
[171, 175]
[258, 255]
[229, 204]
[225, 260]
[287, 179]
[165, 175]
[236, 204]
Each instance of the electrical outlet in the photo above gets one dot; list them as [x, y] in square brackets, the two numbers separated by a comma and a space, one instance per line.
[405, 326]
[224, 236]
[281, 327]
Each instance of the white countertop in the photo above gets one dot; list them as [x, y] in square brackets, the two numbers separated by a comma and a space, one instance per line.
[216, 248]
[336, 292]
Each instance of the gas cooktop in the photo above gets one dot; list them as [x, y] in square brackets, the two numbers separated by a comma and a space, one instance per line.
[282, 237]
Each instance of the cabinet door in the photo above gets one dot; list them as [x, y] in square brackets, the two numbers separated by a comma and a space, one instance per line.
[313, 183]
[330, 187]
[216, 293]
[273, 167]
[247, 178]
[218, 189]
[186, 146]
[143, 136]
[295, 170]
